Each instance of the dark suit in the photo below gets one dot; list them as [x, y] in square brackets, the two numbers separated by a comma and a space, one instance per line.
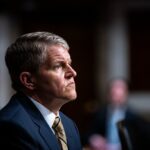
[138, 128]
[22, 127]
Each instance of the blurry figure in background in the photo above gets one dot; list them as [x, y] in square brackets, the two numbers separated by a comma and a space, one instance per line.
[116, 109]
[105, 123]
[103, 132]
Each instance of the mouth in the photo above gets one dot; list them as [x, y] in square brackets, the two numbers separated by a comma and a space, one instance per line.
[71, 84]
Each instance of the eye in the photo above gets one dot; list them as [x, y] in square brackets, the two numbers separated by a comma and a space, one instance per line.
[57, 66]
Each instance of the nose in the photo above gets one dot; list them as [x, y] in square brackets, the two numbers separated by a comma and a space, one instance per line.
[70, 72]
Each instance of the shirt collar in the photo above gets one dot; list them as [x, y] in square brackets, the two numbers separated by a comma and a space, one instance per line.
[48, 115]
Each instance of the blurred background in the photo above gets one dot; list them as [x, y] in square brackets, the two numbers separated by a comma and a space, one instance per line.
[107, 39]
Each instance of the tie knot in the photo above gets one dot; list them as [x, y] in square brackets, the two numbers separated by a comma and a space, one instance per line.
[57, 126]
[56, 123]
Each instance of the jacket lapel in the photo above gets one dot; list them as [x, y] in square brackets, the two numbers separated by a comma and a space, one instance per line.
[44, 130]
[48, 136]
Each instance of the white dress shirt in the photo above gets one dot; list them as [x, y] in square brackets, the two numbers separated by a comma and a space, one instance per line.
[112, 133]
[48, 115]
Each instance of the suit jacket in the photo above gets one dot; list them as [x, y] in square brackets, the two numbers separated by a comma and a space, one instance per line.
[22, 127]
[137, 127]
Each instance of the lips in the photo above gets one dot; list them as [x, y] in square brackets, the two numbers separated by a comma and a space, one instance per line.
[71, 84]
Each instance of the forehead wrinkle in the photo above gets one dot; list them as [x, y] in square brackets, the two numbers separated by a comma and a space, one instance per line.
[60, 59]
[59, 55]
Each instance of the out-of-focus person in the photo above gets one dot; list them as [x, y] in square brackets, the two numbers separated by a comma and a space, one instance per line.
[103, 132]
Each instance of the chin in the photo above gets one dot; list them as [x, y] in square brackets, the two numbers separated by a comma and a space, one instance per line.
[69, 98]
[72, 96]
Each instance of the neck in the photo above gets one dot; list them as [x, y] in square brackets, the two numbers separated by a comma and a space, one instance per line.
[53, 105]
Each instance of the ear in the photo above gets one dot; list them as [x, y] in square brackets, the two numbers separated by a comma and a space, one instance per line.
[27, 79]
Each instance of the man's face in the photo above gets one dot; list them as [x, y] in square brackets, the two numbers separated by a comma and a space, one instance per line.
[118, 92]
[55, 79]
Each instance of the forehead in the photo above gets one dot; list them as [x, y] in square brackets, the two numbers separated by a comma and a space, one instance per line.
[118, 84]
[58, 52]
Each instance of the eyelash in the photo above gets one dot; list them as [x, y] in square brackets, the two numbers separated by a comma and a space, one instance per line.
[57, 66]
[60, 65]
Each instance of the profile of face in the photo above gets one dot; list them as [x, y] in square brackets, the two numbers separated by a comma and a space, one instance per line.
[55, 79]
[118, 92]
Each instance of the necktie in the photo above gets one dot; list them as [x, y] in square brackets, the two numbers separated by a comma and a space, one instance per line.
[60, 133]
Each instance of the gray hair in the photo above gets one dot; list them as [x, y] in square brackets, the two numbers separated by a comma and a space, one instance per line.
[29, 52]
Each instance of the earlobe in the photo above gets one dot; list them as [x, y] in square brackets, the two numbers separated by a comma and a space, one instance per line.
[27, 80]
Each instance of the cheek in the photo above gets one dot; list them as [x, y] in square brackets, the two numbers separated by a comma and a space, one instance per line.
[52, 82]
[56, 84]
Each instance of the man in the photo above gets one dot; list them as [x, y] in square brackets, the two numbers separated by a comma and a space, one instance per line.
[103, 130]
[103, 134]
[40, 69]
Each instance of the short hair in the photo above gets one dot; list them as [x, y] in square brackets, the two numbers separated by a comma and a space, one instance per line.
[28, 52]
[111, 81]
[114, 79]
